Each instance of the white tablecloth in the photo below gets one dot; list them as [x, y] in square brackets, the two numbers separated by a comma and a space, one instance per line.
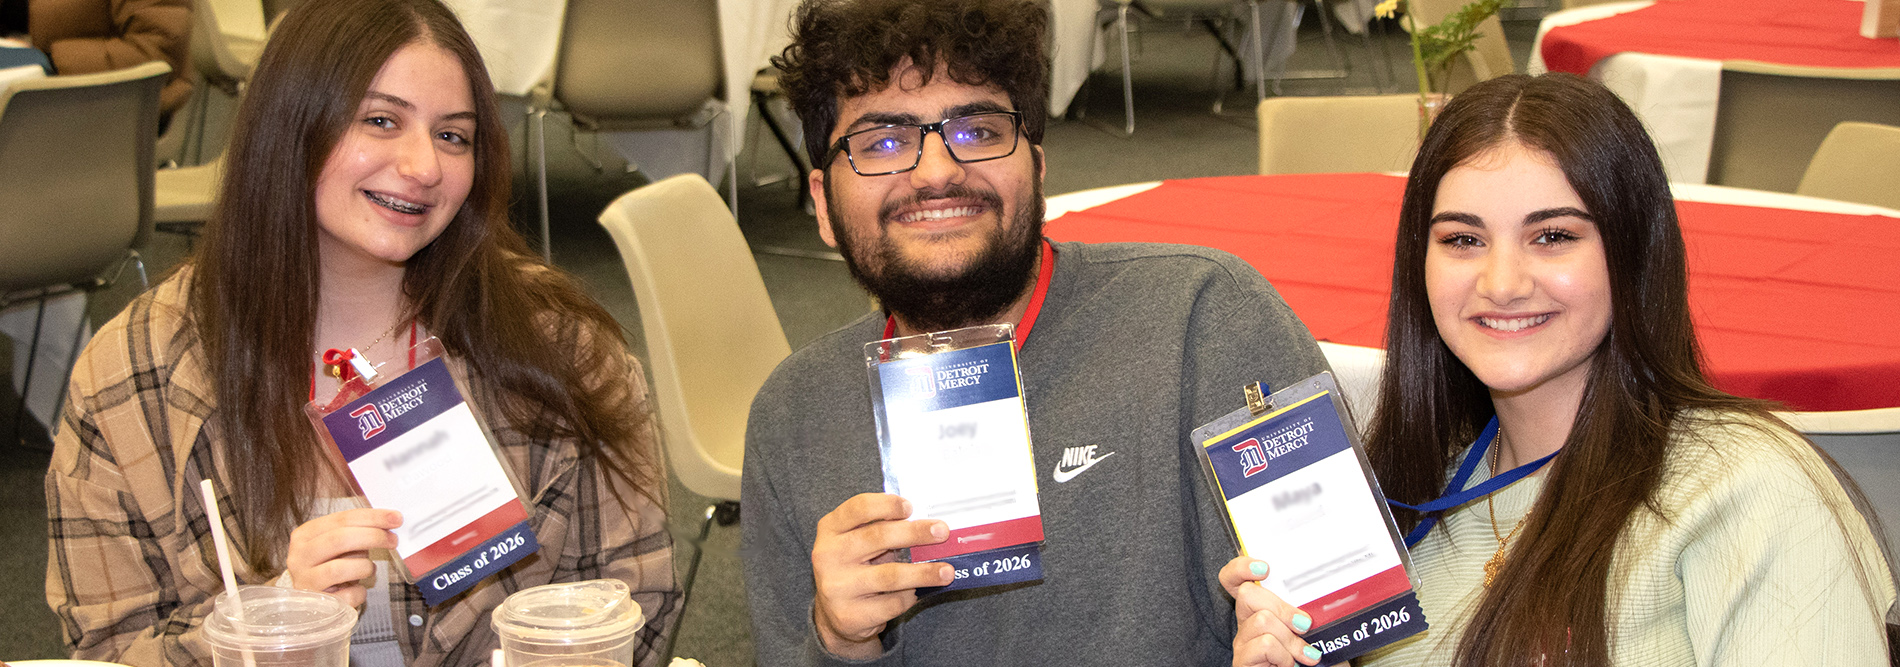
[1675, 97]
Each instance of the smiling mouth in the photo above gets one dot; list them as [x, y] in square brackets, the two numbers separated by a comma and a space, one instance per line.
[1515, 323]
[931, 215]
[396, 205]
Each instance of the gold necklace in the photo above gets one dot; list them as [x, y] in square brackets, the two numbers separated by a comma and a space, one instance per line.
[1496, 562]
[336, 371]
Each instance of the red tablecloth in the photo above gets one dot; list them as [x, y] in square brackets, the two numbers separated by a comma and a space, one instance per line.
[1793, 306]
[1811, 33]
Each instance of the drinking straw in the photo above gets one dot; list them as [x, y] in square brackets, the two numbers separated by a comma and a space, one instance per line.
[498, 659]
[224, 559]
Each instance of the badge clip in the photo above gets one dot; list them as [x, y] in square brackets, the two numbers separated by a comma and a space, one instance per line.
[1257, 402]
[347, 364]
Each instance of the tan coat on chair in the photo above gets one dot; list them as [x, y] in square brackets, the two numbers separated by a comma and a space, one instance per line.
[86, 36]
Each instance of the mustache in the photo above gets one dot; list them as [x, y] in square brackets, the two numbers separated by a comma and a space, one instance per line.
[954, 191]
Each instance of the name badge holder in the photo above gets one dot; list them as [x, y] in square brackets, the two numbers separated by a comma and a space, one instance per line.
[412, 443]
[1300, 495]
[953, 437]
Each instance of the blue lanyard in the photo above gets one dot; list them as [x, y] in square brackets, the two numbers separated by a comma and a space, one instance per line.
[1454, 498]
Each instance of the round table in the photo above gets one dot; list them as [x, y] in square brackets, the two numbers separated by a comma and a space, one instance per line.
[1668, 62]
[1795, 299]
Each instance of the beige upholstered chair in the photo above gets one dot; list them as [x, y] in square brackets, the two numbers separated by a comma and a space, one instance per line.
[1857, 162]
[1312, 135]
[1770, 120]
[712, 336]
[634, 65]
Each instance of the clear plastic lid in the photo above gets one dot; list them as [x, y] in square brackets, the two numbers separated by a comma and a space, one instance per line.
[572, 613]
[276, 619]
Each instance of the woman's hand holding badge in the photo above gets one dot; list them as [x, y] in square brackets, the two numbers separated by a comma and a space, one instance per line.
[1269, 628]
[331, 553]
[860, 584]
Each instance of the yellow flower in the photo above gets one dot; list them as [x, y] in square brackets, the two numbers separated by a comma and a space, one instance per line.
[1386, 9]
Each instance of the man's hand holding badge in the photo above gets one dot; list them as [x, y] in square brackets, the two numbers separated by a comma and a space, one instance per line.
[861, 584]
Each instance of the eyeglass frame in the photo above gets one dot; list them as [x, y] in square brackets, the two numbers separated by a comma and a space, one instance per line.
[840, 146]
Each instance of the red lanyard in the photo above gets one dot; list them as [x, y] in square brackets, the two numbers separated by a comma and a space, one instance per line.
[341, 359]
[1029, 312]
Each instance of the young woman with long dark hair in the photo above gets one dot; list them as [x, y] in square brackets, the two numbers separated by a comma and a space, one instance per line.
[364, 205]
[1539, 317]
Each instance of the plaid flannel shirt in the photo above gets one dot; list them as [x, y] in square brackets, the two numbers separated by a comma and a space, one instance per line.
[132, 569]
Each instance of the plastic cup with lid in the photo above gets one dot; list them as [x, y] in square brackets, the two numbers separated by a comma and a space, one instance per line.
[585, 623]
[279, 627]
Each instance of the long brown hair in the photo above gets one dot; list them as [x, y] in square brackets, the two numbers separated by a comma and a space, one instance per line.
[533, 342]
[1550, 598]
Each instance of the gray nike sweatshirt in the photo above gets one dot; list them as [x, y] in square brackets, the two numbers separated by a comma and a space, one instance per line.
[1136, 345]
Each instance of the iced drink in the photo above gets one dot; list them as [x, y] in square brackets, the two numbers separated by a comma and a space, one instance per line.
[279, 627]
[587, 623]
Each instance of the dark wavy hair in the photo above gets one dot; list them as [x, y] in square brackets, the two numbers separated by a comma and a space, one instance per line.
[846, 48]
[534, 343]
[1646, 373]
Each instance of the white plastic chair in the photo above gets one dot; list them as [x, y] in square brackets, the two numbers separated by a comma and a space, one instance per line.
[76, 155]
[712, 336]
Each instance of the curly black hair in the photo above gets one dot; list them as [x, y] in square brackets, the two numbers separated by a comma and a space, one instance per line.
[846, 48]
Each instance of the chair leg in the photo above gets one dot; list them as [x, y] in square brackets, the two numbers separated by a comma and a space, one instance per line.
[725, 513]
[1332, 47]
[1382, 61]
[26, 385]
[1259, 51]
[72, 357]
[785, 142]
[692, 575]
[541, 180]
[1128, 79]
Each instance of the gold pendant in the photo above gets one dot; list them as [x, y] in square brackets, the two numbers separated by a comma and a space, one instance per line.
[1492, 566]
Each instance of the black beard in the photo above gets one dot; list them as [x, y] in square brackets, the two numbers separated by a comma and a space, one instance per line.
[987, 286]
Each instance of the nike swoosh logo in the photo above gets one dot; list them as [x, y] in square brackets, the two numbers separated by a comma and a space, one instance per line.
[1063, 476]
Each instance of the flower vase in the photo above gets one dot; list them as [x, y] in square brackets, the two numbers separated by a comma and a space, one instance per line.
[1429, 106]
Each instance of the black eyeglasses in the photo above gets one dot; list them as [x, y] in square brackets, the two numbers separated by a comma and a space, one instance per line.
[895, 149]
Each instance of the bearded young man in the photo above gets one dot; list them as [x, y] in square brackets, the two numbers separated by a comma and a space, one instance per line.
[1124, 350]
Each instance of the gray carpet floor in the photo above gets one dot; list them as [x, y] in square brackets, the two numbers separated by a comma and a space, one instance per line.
[1176, 136]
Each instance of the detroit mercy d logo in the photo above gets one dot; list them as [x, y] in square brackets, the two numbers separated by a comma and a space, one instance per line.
[368, 419]
[923, 380]
[1253, 456]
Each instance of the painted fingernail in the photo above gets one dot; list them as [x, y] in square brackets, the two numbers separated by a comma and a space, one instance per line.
[939, 531]
[1302, 623]
[1312, 653]
[1258, 568]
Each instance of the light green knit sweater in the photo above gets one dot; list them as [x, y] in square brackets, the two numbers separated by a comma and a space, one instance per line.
[1748, 564]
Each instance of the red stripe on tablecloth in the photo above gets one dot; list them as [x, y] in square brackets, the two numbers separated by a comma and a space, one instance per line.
[1791, 306]
[1812, 33]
